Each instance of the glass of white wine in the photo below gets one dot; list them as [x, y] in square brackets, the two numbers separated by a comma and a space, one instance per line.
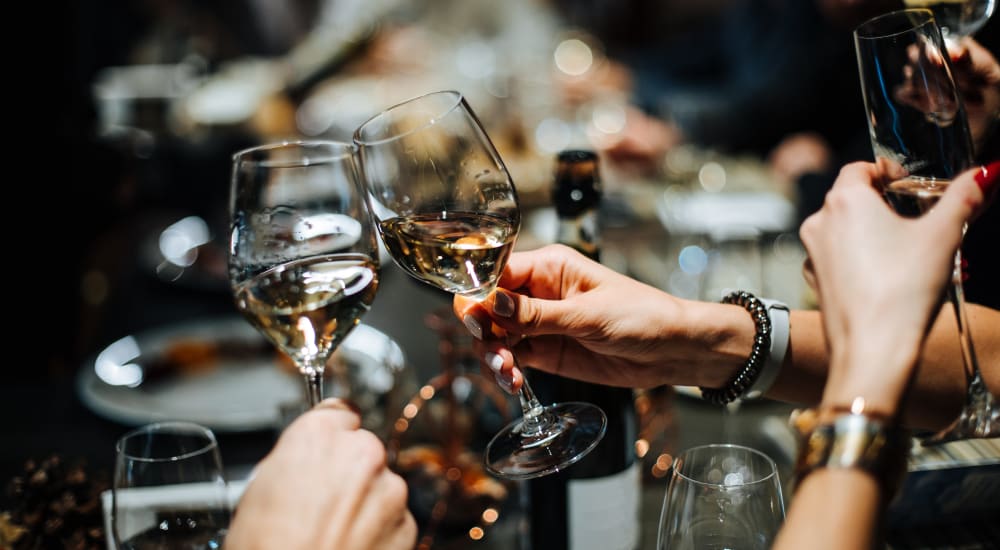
[957, 18]
[303, 255]
[448, 213]
[921, 140]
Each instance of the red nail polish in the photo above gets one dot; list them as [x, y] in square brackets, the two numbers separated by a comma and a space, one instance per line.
[986, 177]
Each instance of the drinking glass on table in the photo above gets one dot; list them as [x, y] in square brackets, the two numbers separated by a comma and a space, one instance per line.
[303, 256]
[448, 213]
[169, 490]
[721, 497]
[920, 137]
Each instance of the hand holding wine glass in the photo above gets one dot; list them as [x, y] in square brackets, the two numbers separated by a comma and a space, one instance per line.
[448, 213]
[921, 140]
[303, 257]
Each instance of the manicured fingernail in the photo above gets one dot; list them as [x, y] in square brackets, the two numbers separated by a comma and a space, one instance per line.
[986, 177]
[494, 361]
[503, 305]
[474, 327]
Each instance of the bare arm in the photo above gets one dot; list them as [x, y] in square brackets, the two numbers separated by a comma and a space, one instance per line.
[939, 385]
[875, 329]
[574, 326]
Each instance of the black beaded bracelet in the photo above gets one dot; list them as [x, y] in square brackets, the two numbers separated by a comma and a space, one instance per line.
[745, 378]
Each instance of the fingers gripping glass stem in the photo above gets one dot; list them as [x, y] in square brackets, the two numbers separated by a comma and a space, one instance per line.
[546, 439]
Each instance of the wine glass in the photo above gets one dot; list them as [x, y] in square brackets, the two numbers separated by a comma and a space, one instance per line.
[303, 256]
[447, 211]
[169, 490]
[956, 18]
[721, 497]
[920, 137]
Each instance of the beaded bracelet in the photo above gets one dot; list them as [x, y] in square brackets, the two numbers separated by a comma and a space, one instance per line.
[746, 376]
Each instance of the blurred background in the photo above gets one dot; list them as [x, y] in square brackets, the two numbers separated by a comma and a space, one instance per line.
[155, 96]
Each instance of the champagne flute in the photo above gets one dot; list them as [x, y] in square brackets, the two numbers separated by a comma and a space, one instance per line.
[920, 137]
[169, 489]
[447, 211]
[956, 18]
[721, 497]
[303, 256]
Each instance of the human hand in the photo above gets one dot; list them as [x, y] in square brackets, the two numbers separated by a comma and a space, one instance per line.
[576, 318]
[977, 75]
[798, 154]
[324, 485]
[879, 278]
[642, 142]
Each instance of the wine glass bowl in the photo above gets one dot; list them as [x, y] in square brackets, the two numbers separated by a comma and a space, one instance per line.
[447, 211]
[957, 18]
[169, 490]
[916, 119]
[303, 258]
[441, 196]
[921, 141]
[721, 496]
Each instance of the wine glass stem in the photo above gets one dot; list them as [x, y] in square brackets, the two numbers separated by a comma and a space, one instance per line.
[957, 296]
[314, 385]
[535, 419]
[980, 415]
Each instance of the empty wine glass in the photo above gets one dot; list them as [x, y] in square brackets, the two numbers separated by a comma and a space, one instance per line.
[303, 256]
[956, 18]
[169, 490]
[721, 497]
[920, 137]
[448, 213]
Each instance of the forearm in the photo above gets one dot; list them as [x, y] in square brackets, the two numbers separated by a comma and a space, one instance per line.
[835, 508]
[939, 385]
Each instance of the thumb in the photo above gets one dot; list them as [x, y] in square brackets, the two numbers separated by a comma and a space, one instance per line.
[520, 314]
[966, 196]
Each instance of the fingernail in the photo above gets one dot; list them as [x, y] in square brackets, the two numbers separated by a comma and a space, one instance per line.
[503, 305]
[494, 361]
[474, 327]
[986, 177]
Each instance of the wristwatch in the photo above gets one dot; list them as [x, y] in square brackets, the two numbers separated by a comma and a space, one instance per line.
[780, 334]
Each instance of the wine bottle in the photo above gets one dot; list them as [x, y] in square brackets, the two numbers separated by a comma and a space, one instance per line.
[595, 502]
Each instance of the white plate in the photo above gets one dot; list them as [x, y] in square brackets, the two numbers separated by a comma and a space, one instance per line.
[238, 384]
[704, 212]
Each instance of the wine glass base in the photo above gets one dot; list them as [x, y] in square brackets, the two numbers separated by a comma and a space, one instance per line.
[980, 418]
[567, 433]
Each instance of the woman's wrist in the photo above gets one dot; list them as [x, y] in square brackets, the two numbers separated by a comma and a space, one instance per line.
[720, 336]
[878, 376]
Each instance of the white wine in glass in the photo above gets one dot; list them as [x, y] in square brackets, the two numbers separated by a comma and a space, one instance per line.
[921, 141]
[448, 213]
[303, 259]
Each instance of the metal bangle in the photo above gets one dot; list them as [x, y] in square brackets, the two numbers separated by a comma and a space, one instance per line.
[746, 376]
